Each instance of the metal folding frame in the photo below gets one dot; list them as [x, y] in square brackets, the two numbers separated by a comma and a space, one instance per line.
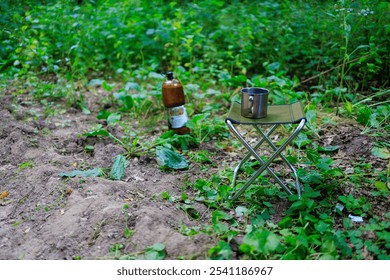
[293, 118]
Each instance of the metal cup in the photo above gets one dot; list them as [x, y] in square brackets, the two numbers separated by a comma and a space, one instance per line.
[254, 102]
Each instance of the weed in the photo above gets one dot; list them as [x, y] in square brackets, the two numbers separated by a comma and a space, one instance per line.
[96, 232]
[116, 249]
[26, 164]
[153, 252]
[127, 233]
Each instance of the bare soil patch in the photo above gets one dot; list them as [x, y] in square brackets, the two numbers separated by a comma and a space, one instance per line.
[47, 217]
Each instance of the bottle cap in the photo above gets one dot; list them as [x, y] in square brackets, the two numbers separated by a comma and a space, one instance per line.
[170, 76]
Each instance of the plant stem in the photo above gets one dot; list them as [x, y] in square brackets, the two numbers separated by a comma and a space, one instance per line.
[345, 58]
[329, 70]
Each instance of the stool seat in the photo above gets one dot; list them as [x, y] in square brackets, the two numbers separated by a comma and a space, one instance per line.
[277, 115]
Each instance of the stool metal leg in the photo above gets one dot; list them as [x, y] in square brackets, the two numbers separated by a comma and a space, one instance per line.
[297, 185]
[258, 158]
[270, 159]
[247, 156]
[263, 167]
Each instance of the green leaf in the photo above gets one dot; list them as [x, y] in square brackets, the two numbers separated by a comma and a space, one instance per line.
[89, 148]
[220, 228]
[311, 194]
[103, 115]
[348, 107]
[241, 211]
[100, 132]
[273, 242]
[313, 155]
[301, 140]
[336, 172]
[167, 158]
[321, 226]
[128, 102]
[96, 172]
[262, 241]
[117, 248]
[96, 82]
[113, 118]
[128, 232]
[219, 215]
[221, 252]
[381, 186]
[131, 85]
[125, 100]
[312, 177]
[118, 167]
[324, 163]
[155, 252]
[246, 248]
[82, 105]
[84, 108]
[158, 247]
[328, 246]
[347, 223]
[382, 153]
[297, 205]
[168, 134]
[311, 116]
[341, 244]
[374, 122]
[328, 149]
[190, 210]
[286, 222]
[107, 87]
[364, 115]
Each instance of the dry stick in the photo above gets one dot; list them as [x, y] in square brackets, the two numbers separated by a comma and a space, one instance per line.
[329, 70]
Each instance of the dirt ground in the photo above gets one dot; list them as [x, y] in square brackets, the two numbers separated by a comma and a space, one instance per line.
[45, 216]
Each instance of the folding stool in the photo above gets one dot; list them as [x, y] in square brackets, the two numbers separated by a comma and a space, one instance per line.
[276, 115]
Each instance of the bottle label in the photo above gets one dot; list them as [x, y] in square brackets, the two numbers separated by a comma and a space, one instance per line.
[177, 116]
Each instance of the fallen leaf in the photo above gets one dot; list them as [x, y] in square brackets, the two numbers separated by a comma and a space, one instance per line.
[96, 172]
[4, 194]
[118, 167]
[167, 158]
[228, 149]
[382, 153]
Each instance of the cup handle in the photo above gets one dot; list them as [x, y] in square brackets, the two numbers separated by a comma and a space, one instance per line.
[251, 98]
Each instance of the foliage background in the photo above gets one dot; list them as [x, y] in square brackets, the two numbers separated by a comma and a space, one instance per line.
[209, 39]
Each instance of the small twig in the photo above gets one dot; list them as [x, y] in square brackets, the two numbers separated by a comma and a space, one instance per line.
[204, 213]
[327, 71]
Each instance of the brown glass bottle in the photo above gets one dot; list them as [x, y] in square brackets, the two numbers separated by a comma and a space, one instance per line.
[174, 100]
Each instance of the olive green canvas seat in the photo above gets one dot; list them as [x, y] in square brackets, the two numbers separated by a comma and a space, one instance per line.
[277, 115]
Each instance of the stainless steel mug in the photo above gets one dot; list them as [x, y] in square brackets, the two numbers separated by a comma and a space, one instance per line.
[254, 102]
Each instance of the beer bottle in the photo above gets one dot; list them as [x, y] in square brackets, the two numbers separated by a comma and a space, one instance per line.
[174, 100]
